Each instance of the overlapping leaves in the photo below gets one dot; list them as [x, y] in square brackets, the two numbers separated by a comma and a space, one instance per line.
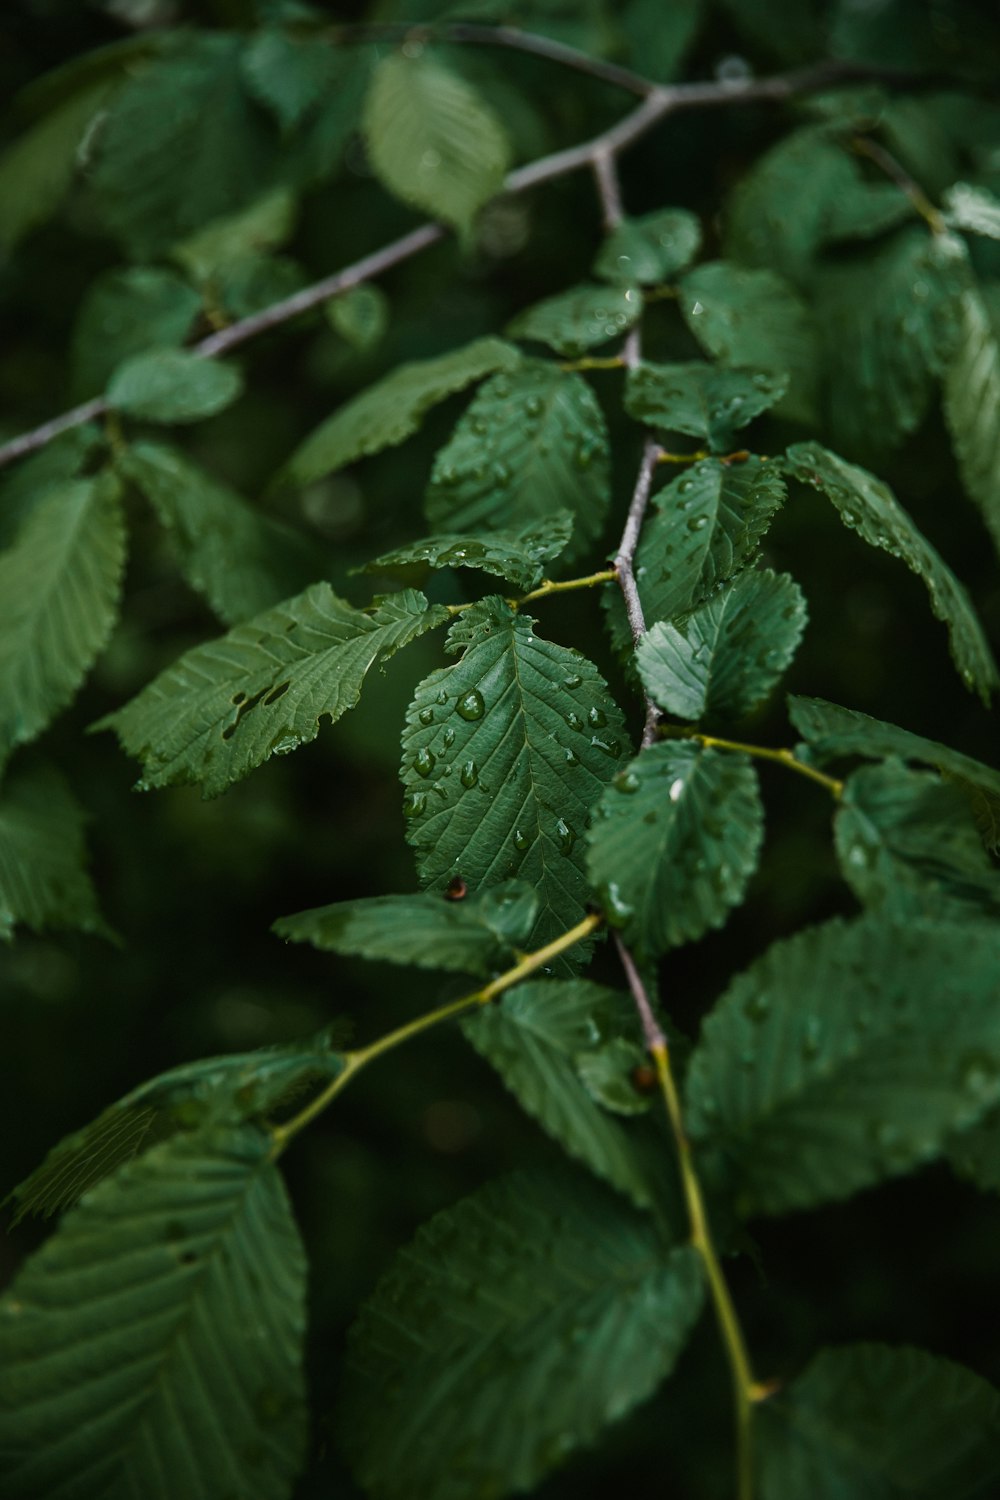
[392, 409]
[727, 654]
[540, 1038]
[504, 754]
[675, 839]
[700, 399]
[261, 690]
[517, 556]
[533, 442]
[560, 1306]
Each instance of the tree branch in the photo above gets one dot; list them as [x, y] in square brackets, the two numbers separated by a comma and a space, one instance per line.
[659, 102]
[625, 558]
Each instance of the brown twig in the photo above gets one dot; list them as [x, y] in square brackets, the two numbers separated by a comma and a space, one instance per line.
[625, 558]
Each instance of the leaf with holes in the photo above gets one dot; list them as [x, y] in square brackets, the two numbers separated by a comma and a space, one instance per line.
[562, 1309]
[908, 846]
[478, 935]
[703, 528]
[579, 319]
[972, 404]
[753, 318]
[847, 1054]
[532, 443]
[433, 141]
[504, 754]
[539, 1037]
[701, 400]
[59, 589]
[44, 880]
[650, 249]
[725, 657]
[869, 507]
[246, 1086]
[240, 561]
[261, 690]
[879, 1422]
[675, 839]
[392, 409]
[517, 556]
[199, 1374]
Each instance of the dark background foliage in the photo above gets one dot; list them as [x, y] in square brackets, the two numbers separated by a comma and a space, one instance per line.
[191, 887]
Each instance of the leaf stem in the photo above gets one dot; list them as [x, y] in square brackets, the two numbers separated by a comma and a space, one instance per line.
[746, 1390]
[593, 362]
[282, 1135]
[862, 145]
[547, 586]
[760, 752]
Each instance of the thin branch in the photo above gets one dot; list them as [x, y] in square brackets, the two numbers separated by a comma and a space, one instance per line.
[658, 103]
[625, 558]
[608, 190]
[746, 1390]
[496, 36]
[759, 752]
[863, 145]
[527, 964]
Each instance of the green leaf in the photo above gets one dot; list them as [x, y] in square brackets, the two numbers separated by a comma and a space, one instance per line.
[475, 936]
[432, 140]
[704, 527]
[891, 323]
[504, 754]
[290, 75]
[43, 875]
[867, 1420]
[243, 563]
[846, 1055]
[246, 1086]
[700, 400]
[37, 169]
[154, 1344]
[578, 319]
[870, 508]
[392, 409]
[742, 317]
[675, 839]
[517, 556]
[972, 208]
[792, 36]
[725, 657]
[59, 588]
[972, 407]
[533, 442]
[558, 1309]
[230, 241]
[908, 847]
[660, 37]
[650, 249]
[23, 486]
[833, 731]
[360, 316]
[805, 190]
[539, 1038]
[607, 1075]
[261, 690]
[183, 143]
[126, 312]
[173, 385]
